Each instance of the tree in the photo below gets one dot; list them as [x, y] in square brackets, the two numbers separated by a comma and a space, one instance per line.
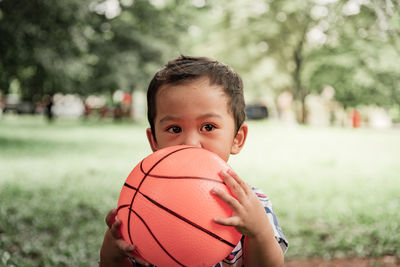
[267, 43]
[302, 46]
[359, 59]
[137, 42]
[83, 46]
[41, 45]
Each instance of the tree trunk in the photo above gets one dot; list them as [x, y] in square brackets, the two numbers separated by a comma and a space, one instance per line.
[300, 92]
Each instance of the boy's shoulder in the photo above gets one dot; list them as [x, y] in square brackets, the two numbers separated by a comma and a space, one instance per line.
[264, 199]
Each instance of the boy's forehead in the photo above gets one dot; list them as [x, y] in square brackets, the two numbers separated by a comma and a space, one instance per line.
[177, 91]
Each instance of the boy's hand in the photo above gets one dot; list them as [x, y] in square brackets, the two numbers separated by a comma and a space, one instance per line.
[115, 251]
[250, 219]
[249, 216]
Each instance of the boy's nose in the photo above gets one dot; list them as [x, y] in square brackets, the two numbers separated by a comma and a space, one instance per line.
[191, 139]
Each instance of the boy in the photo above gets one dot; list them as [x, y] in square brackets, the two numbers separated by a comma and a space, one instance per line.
[197, 101]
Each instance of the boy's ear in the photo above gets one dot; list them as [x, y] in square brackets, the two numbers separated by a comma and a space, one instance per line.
[152, 141]
[240, 139]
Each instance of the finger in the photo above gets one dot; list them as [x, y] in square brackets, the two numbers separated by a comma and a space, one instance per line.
[115, 229]
[110, 218]
[242, 183]
[140, 261]
[232, 202]
[130, 251]
[231, 221]
[235, 188]
[125, 247]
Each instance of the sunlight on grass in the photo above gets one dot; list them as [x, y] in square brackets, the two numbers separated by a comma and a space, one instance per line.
[335, 191]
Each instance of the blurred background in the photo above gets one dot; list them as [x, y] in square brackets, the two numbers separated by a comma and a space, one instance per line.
[322, 86]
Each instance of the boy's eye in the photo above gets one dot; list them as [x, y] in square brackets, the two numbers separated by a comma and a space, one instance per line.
[208, 127]
[174, 129]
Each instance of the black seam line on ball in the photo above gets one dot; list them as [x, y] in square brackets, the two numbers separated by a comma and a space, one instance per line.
[181, 217]
[184, 177]
[155, 238]
[178, 177]
[188, 221]
[141, 182]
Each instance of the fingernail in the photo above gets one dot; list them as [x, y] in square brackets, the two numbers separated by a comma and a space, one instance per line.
[231, 171]
[215, 190]
[223, 172]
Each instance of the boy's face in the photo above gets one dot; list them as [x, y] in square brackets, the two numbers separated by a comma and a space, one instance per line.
[196, 113]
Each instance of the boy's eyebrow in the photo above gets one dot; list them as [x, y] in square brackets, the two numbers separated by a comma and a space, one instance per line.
[203, 116]
[168, 118]
[209, 115]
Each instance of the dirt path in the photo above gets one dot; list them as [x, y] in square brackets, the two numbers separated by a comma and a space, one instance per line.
[386, 261]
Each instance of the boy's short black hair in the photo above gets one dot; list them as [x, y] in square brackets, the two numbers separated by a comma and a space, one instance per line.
[187, 68]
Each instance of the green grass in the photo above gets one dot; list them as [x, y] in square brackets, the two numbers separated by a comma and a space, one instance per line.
[335, 191]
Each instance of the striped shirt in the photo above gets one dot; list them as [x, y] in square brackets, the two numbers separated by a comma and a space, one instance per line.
[235, 258]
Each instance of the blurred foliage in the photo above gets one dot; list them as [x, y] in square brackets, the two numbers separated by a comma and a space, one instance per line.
[360, 61]
[86, 46]
[276, 45]
[303, 46]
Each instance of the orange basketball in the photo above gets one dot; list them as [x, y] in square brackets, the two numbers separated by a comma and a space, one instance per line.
[166, 208]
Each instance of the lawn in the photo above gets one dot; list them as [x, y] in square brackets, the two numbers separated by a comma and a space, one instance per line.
[336, 191]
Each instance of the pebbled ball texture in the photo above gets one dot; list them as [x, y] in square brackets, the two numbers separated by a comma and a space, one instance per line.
[166, 208]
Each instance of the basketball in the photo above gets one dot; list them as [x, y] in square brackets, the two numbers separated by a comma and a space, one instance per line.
[166, 208]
